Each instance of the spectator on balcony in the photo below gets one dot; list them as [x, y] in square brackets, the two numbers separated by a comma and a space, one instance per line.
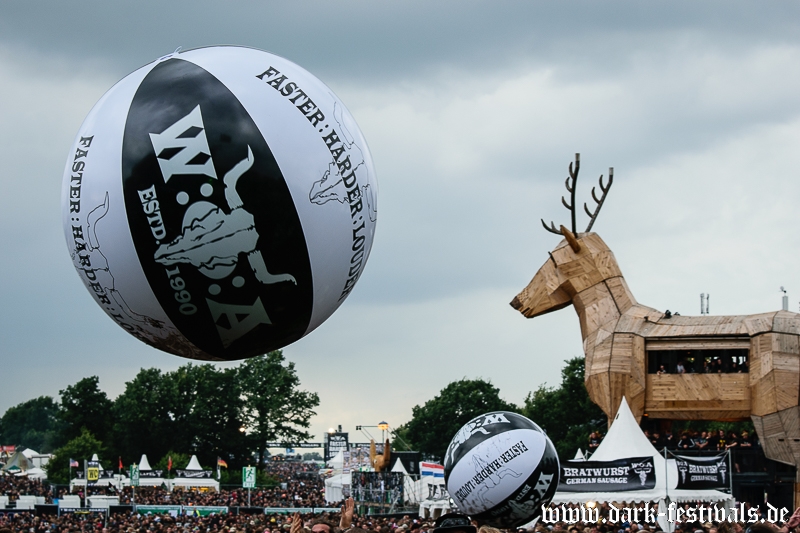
[733, 441]
[594, 441]
[722, 441]
[686, 442]
[701, 442]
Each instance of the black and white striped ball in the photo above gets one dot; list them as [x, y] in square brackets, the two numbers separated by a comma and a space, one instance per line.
[219, 203]
[501, 468]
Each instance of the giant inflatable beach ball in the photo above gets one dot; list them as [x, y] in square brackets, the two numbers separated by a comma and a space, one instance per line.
[219, 203]
[500, 468]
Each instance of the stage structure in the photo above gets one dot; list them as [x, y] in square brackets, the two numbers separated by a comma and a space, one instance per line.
[668, 366]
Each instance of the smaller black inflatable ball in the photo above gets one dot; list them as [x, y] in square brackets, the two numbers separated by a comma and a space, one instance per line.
[501, 468]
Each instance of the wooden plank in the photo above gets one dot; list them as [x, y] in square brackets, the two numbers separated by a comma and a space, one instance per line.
[698, 387]
[617, 384]
[790, 422]
[601, 358]
[787, 387]
[698, 396]
[698, 343]
[786, 322]
[786, 343]
[786, 362]
[756, 324]
[598, 308]
[606, 265]
[754, 364]
[621, 353]
[638, 367]
[636, 403]
[764, 401]
[621, 294]
[598, 389]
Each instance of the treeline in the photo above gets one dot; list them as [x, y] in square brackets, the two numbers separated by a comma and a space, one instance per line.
[565, 413]
[197, 409]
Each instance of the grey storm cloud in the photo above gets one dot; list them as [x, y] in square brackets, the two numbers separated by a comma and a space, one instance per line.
[472, 111]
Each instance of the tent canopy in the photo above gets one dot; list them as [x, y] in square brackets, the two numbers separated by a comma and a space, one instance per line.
[18, 461]
[194, 464]
[626, 439]
[144, 464]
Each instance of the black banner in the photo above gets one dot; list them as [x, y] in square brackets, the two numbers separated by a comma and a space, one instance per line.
[410, 461]
[335, 442]
[194, 473]
[703, 472]
[632, 473]
[150, 473]
[275, 444]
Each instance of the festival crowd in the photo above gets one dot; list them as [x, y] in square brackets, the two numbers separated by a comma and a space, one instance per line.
[300, 486]
[282, 523]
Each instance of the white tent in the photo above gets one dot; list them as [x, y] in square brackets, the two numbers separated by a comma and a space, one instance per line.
[412, 492]
[192, 477]
[626, 439]
[335, 486]
[147, 477]
[36, 473]
[336, 462]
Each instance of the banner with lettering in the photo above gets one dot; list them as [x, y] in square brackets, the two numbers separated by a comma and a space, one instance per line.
[632, 473]
[703, 472]
[194, 473]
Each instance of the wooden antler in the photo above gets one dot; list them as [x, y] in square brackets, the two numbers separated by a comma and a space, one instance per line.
[573, 176]
[593, 216]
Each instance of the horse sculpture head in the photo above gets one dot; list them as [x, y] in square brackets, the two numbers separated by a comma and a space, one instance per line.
[580, 260]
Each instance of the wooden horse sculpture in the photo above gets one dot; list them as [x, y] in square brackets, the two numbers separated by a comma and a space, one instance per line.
[380, 462]
[622, 339]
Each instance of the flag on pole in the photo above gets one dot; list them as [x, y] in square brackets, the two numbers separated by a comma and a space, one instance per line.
[169, 464]
[73, 463]
[120, 464]
[220, 463]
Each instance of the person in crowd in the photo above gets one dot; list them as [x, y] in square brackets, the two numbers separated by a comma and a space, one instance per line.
[686, 442]
[670, 441]
[454, 523]
[722, 440]
[701, 442]
[594, 441]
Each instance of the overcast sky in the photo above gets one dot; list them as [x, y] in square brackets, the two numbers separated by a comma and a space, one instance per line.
[472, 111]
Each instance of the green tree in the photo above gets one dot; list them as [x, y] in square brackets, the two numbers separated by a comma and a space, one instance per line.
[33, 424]
[207, 414]
[179, 460]
[144, 418]
[313, 456]
[566, 413]
[84, 405]
[80, 448]
[274, 407]
[433, 425]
